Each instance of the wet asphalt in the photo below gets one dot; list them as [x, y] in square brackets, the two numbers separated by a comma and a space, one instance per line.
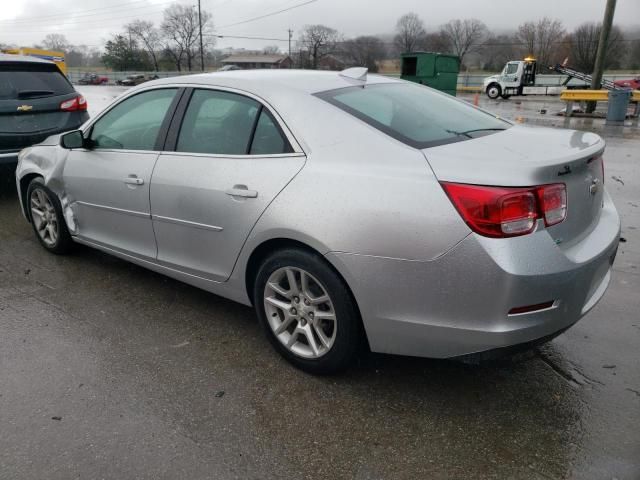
[111, 371]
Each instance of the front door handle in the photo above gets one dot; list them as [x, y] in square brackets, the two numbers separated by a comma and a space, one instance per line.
[241, 191]
[133, 180]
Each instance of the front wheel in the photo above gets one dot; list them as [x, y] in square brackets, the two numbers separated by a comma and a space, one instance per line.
[494, 91]
[307, 311]
[45, 213]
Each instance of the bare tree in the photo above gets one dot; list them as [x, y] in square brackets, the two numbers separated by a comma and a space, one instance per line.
[148, 36]
[527, 36]
[542, 39]
[271, 50]
[497, 51]
[318, 41]
[56, 41]
[180, 27]
[365, 51]
[410, 32]
[436, 42]
[584, 45]
[464, 36]
[633, 60]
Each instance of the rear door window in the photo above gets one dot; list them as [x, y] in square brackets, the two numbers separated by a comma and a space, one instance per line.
[268, 139]
[218, 122]
[20, 81]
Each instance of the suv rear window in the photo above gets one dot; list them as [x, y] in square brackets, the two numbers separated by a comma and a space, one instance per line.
[416, 115]
[23, 80]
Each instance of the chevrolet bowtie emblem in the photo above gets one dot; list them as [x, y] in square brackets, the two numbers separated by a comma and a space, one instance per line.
[24, 108]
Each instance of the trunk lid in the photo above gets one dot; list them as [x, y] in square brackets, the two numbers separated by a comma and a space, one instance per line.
[531, 156]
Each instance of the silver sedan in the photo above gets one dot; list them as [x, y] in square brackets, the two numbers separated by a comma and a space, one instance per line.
[349, 210]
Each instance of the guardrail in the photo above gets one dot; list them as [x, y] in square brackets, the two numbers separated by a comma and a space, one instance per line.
[593, 95]
[572, 96]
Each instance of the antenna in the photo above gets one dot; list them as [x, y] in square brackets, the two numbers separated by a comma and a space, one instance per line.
[355, 73]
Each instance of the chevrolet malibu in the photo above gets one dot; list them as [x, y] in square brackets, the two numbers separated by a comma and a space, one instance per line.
[347, 209]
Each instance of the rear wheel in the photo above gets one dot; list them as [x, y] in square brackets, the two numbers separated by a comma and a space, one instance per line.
[45, 212]
[307, 311]
[494, 91]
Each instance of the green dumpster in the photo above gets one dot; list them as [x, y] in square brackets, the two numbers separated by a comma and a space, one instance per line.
[436, 70]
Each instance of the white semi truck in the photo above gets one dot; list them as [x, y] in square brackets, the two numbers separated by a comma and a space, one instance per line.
[518, 77]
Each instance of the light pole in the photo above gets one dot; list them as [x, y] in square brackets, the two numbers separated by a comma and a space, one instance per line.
[201, 48]
[598, 69]
[290, 35]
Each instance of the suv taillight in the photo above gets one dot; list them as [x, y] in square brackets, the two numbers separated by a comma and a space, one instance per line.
[507, 212]
[74, 104]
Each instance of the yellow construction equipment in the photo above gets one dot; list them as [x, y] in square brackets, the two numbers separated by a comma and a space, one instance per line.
[55, 57]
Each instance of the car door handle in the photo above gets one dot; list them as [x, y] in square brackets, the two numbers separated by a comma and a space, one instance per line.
[241, 191]
[133, 180]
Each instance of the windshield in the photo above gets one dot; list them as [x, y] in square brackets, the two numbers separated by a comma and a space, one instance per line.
[414, 114]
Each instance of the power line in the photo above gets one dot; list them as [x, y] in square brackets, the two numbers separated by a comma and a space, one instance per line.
[100, 22]
[268, 14]
[82, 13]
[246, 37]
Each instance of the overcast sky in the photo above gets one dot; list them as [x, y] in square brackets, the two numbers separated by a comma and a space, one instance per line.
[91, 22]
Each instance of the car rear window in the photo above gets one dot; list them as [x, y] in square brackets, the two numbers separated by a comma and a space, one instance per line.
[23, 80]
[414, 114]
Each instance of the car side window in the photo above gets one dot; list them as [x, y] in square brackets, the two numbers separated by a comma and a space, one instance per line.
[268, 138]
[134, 123]
[218, 122]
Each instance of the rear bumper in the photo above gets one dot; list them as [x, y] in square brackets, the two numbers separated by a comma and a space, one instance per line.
[458, 304]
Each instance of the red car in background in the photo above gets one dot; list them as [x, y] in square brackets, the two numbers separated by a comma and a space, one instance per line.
[93, 79]
[633, 83]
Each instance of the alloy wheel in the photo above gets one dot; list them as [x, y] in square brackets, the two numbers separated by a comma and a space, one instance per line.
[43, 215]
[300, 312]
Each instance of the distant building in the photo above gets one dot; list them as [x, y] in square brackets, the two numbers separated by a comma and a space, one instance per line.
[259, 61]
[330, 62]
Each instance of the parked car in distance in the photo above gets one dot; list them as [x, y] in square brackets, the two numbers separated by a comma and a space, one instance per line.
[93, 79]
[633, 83]
[228, 68]
[342, 206]
[132, 80]
[36, 101]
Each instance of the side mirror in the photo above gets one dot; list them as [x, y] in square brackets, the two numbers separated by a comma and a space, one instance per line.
[73, 139]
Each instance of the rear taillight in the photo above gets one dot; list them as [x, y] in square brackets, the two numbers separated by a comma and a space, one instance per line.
[507, 212]
[76, 103]
[553, 203]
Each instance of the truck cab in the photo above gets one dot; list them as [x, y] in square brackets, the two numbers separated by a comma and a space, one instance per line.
[515, 76]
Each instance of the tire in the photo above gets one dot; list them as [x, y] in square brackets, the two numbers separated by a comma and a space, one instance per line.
[493, 91]
[505, 96]
[50, 227]
[317, 337]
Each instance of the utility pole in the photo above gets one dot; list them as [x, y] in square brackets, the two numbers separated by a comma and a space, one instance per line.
[290, 35]
[201, 47]
[596, 78]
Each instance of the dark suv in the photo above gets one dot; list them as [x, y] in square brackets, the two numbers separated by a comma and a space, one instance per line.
[36, 100]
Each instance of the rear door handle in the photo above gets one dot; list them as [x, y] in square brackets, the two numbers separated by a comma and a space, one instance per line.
[133, 180]
[241, 191]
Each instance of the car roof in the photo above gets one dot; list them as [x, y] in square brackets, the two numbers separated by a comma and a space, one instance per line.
[272, 80]
[8, 57]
